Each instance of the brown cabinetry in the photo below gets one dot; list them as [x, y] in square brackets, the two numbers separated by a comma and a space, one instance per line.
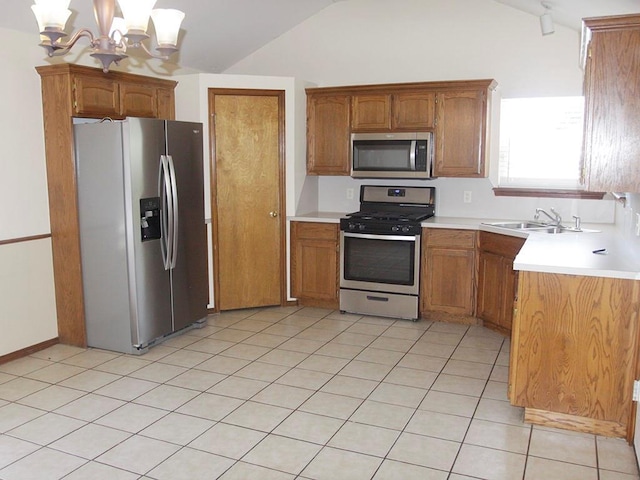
[574, 352]
[413, 111]
[371, 113]
[68, 91]
[404, 111]
[328, 138]
[497, 280]
[448, 272]
[461, 134]
[314, 263]
[456, 111]
[95, 96]
[612, 124]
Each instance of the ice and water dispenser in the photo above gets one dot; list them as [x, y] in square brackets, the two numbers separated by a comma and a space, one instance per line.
[150, 218]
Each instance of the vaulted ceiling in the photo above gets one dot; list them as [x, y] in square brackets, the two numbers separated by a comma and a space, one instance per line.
[218, 33]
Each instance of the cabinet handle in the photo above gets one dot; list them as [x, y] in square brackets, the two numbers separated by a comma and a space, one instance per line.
[273, 214]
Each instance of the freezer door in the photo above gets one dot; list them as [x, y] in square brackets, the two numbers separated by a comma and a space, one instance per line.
[150, 286]
[189, 276]
[103, 243]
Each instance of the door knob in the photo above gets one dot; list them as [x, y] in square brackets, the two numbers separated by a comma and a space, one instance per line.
[273, 214]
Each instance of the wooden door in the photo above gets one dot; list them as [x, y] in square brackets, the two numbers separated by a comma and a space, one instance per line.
[247, 197]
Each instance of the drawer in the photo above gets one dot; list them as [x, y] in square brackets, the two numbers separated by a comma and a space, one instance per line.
[440, 237]
[314, 230]
[504, 245]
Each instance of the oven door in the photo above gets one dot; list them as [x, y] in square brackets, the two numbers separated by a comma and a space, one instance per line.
[380, 263]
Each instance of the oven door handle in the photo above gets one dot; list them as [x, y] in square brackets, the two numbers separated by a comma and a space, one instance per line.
[401, 238]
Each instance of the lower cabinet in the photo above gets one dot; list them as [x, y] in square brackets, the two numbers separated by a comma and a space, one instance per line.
[448, 272]
[497, 280]
[574, 352]
[315, 264]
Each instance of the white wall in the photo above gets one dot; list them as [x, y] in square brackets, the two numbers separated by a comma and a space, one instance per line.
[378, 41]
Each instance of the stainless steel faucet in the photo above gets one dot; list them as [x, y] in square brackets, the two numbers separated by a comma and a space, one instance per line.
[556, 219]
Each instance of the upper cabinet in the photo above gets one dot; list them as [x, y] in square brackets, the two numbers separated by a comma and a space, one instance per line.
[371, 113]
[612, 103]
[460, 140]
[328, 134]
[95, 95]
[413, 111]
[457, 113]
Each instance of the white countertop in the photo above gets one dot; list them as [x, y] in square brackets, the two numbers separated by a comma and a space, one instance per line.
[568, 253]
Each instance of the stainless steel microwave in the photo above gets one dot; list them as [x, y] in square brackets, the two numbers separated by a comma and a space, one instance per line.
[392, 155]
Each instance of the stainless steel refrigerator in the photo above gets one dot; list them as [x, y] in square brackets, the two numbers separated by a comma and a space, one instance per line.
[142, 230]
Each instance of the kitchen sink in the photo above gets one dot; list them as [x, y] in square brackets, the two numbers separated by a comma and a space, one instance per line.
[527, 226]
[518, 225]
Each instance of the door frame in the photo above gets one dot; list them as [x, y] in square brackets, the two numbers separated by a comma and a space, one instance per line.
[280, 94]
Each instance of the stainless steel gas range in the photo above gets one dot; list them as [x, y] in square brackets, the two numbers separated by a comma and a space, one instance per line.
[380, 251]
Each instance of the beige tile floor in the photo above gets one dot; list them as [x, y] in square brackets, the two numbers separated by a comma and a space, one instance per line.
[284, 393]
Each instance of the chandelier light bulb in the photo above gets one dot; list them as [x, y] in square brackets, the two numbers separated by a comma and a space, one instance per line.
[51, 14]
[166, 22]
[136, 14]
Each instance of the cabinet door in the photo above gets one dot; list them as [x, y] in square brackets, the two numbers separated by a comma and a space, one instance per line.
[449, 280]
[95, 96]
[328, 136]
[460, 126]
[612, 123]
[491, 289]
[448, 271]
[138, 101]
[497, 280]
[314, 263]
[413, 111]
[573, 351]
[166, 104]
[371, 113]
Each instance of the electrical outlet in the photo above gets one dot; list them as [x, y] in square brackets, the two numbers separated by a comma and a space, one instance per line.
[349, 193]
[467, 196]
[637, 224]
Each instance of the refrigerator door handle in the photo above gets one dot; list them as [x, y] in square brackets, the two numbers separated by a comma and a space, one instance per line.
[166, 223]
[174, 213]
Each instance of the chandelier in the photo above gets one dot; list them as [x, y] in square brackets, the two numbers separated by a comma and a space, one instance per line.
[115, 34]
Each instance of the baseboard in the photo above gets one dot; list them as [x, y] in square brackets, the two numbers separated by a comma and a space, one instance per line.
[28, 350]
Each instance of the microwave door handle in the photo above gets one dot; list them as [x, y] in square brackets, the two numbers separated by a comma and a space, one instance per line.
[412, 155]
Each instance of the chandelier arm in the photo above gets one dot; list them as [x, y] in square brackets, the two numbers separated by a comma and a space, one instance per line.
[151, 54]
[58, 48]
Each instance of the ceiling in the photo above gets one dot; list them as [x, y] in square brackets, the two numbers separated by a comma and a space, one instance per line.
[218, 33]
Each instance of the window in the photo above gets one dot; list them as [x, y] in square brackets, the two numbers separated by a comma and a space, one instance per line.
[541, 143]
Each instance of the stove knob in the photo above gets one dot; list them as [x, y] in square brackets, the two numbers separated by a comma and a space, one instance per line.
[352, 226]
[394, 228]
[361, 226]
[405, 229]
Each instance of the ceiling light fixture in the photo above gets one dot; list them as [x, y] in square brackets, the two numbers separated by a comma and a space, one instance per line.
[116, 34]
[546, 21]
